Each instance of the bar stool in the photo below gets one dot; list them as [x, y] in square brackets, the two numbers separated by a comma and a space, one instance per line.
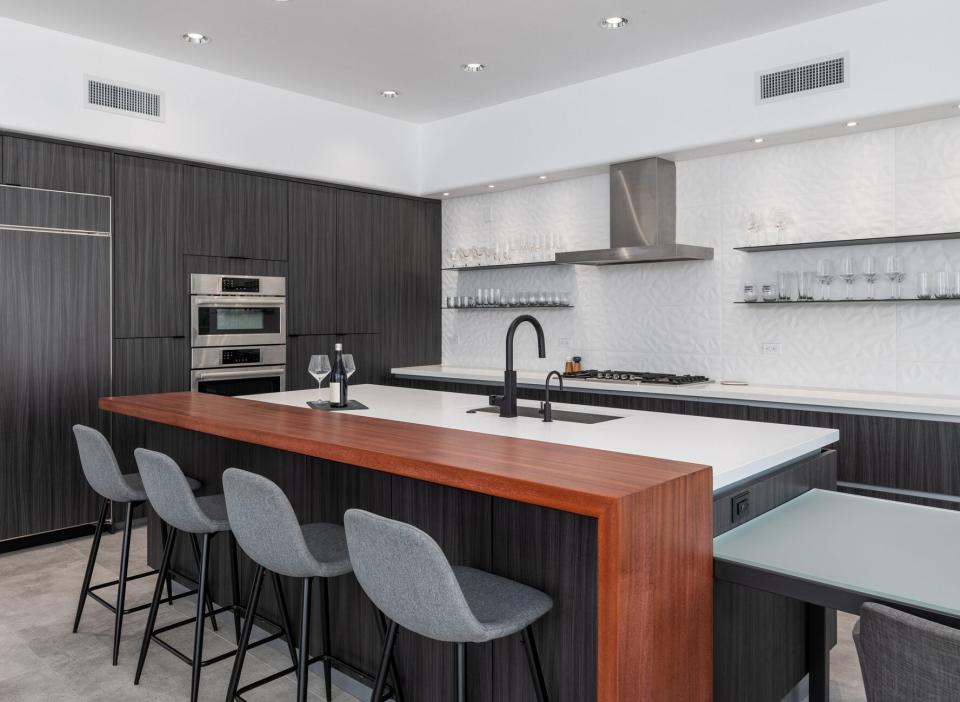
[173, 500]
[410, 580]
[265, 525]
[102, 472]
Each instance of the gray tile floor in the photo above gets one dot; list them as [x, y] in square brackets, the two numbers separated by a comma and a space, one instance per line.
[41, 660]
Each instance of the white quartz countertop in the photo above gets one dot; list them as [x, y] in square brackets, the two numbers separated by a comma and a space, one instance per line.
[736, 450]
[931, 407]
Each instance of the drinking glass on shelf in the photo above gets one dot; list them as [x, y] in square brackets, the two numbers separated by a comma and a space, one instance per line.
[825, 276]
[894, 271]
[870, 273]
[749, 292]
[319, 368]
[564, 299]
[787, 283]
[480, 297]
[805, 285]
[943, 285]
[769, 292]
[923, 286]
[542, 299]
[349, 365]
[848, 274]
[955, 290]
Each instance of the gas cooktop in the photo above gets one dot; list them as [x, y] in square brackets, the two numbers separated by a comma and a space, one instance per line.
[639, 377]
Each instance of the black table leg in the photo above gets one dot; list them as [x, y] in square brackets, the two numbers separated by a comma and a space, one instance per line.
[818, 652]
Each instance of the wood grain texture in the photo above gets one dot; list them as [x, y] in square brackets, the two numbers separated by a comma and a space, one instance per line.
[55, 361]
[148, 248]
[36, 163]
[654, 542]
[312, 287]
[365, 232]
[52, 209]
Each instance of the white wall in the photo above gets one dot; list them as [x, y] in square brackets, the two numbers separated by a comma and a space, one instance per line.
[210, 116]
[680, 317]
[902, 54]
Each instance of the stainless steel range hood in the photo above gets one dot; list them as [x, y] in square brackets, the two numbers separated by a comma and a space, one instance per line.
[643, 218]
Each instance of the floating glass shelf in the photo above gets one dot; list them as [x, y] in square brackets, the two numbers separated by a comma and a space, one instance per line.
[821, 302]
[497, 266]
[512, 307]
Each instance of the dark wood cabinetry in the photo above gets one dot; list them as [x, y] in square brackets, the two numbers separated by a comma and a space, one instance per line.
[34, 163]
[148, 248]
[234, 214]
[312, 285]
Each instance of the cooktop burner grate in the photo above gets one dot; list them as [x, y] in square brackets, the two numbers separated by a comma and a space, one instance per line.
[639, 377]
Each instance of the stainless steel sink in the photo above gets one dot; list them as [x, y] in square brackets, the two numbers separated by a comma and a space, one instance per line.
[558, 415]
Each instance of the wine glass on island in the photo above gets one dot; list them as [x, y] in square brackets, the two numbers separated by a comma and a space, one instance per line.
[349, 365]
[319, 368]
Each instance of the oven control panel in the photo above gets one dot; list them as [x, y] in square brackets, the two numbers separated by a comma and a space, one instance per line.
[240, 285]
[232, 357]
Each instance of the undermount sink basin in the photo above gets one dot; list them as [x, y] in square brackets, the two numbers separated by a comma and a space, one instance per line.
[558, 415]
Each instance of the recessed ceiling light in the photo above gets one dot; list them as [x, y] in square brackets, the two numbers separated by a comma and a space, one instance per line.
[543, 177]
[614, 22]
[473, 67]
[758, 140]
[195, 38]
[446, 194]
[851, 123]
[491, 186]
[386, 93]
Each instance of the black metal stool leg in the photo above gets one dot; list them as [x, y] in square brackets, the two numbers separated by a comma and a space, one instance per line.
[122, 584]
[209, 600]
[164, 533]
[244, 639]
[285, 621]
[201, 604]
[325, 636]
[461, 672]
[388, 643]
[235, 583]
[303, 670]
[155, 604]
[533, 660]
[91, 562]
[394, 677]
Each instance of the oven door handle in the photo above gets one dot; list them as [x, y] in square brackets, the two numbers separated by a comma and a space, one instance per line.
[248, 373]
[252, 301]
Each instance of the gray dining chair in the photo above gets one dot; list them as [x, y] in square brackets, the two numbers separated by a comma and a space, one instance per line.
[905, 657]
[410, 580]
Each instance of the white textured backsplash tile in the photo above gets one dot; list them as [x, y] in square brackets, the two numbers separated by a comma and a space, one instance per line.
[680, 317]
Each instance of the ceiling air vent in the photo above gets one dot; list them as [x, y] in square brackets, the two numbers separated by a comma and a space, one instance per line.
[828, 73]
[129, 100]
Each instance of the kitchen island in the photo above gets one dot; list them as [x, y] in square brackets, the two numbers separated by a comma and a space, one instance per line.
[613, 519]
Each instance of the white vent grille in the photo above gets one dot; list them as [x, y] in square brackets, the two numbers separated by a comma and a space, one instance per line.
[828, 73]
[129, 100]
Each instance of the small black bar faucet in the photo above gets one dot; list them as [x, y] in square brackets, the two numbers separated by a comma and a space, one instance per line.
[508, 403]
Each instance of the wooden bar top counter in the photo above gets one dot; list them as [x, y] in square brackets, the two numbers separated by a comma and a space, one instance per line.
[654, 517]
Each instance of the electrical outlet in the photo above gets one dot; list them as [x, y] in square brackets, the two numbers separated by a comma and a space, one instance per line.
[770, 348]
[564, 342]
[740, 507]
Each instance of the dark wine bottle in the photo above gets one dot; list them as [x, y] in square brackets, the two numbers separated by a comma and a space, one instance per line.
[338, 379]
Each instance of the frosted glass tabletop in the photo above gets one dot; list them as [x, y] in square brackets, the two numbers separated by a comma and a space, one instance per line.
[893, 551]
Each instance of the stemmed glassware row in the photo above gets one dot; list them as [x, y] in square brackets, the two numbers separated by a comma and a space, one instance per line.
[494, 297]
[532, 249]
[791, 283]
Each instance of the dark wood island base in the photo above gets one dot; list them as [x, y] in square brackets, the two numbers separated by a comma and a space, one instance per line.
[622, 543]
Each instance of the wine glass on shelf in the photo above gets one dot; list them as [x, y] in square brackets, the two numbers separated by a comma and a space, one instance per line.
[319, 368]
[848, 275]
[825, 276]
[894, 271]
[349, 365]
[870, 273]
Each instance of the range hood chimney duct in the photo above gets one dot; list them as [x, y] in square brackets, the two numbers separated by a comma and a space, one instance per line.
[643, 218]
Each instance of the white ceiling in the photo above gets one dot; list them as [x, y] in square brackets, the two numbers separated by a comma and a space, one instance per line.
[348, 51]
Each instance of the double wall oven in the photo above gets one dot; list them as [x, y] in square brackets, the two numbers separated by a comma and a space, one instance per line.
[238, 334]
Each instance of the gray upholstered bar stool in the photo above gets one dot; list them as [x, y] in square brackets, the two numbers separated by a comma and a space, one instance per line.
[410, 580]
[173, 500]
[102, 472]
[268, 531]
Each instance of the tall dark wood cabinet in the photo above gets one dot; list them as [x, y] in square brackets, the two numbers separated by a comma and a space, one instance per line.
[312, 284]
[54, 365]
[149, 292]
[234, 214]
[33, 163]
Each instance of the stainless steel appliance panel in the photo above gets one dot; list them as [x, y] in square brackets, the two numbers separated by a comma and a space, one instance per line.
[215, 284]
[239, 381]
